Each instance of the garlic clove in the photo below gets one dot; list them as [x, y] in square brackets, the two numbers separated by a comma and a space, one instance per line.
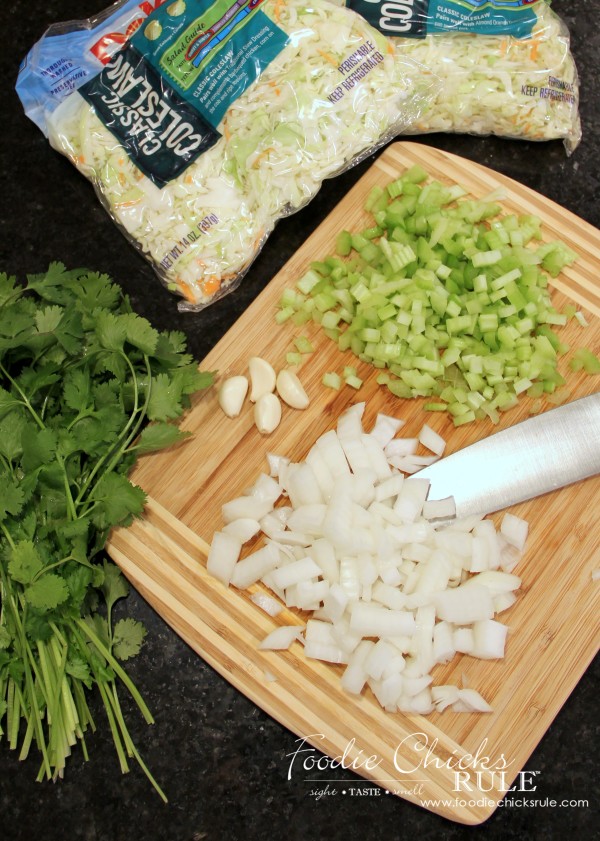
[267, 413]
[291, 390]
[232, 394]
[262, 377]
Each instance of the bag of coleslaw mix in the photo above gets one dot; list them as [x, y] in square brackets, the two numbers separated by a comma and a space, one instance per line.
[506, 67]
[200, 123]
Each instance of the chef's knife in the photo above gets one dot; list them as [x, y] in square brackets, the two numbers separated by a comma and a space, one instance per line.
[533, 457]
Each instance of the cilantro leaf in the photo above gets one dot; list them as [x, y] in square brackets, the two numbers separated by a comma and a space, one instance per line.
[95, 291]
[140, 333]
[77, 389]
[115, 585]
[157, 436]
[128, 637]
[165, 398]
[24, 563]
[48, 319]
[9, 289]
[7, 402]
[79, 669]
[47, 592]
[5, 637]
[11, 499]
[39, 446]
[111, 330]
[118, 501]
[11, 428]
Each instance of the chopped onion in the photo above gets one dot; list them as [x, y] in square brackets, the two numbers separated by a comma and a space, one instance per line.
[394, 584]
[223, 556]
[514, 529]
[281, 637]
[267, 603]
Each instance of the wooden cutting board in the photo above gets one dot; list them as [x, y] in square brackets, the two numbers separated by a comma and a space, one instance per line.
[553, 626]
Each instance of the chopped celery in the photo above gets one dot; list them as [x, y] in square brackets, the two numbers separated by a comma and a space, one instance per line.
[332, 380]
[585, 359]
[303, 344]
[447, 295]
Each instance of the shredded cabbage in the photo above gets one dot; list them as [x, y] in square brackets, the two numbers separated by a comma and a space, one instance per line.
[280, 139]
[502, 85]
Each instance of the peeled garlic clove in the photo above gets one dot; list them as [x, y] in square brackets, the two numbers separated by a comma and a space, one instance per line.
[231, 395]
[262, 377]
[291, 390]
[267, 413]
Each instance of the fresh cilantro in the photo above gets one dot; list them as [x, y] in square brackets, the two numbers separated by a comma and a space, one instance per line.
[47, 592]
[86, 385]
[128, 637]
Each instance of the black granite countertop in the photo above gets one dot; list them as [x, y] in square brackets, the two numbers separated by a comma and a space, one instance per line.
[222, 761]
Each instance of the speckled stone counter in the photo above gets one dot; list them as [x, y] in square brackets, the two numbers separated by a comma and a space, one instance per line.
[224, 764]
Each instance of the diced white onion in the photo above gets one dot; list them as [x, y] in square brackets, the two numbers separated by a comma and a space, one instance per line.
[280, 638]
[393, 582]
[223, 556]
[515, 530]
[267, 603]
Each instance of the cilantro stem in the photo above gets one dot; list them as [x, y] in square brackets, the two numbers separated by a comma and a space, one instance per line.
[28, 661]
[117, 668]
[26, 402]
[59, 563]
[113, 726]
[117, 451]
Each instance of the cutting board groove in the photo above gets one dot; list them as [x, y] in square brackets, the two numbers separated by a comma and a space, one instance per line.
[553, 626]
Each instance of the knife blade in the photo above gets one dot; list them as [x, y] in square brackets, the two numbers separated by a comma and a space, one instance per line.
[538, 455]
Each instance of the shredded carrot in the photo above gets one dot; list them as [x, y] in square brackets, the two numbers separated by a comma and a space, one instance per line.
[227, 132]
[211, 285]
[186, 291]
[503, 46]
[189, 179]
[122, 180]
[534, 49]
[262, 155]
[79, 159]
[277, 10]
[129, 203]
[328, 57]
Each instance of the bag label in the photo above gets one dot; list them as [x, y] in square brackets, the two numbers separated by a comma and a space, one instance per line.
[419, 18]
[165, 92]
[160, 131]
[210, 52]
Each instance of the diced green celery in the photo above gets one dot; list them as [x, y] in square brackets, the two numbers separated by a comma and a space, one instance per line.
[486, 258]
[585, 359]
[399, 388]
[293, 358]
[343, 243]
[308, 281]
[345, 340]
[353, 381]
[282, 315]
[415, 175]
[376, 199]
[332, 380]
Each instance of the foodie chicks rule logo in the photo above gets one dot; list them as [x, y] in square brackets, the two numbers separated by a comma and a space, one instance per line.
[409, 767]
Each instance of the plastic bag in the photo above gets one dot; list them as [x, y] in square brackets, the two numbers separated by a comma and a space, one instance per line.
[506, 69]
[211, 122]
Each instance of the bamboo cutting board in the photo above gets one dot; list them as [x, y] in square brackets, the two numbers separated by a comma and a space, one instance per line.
[553, 626]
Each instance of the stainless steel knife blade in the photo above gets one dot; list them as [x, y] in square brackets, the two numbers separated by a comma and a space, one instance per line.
[537, 455]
